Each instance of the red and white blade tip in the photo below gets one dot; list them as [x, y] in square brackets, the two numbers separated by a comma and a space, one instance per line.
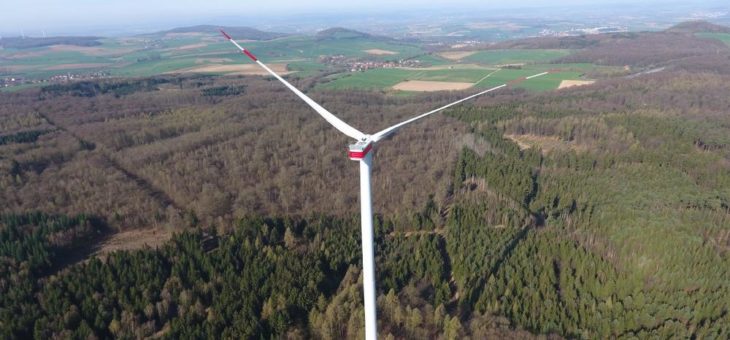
[246, 52]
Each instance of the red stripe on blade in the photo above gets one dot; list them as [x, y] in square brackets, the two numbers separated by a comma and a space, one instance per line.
[250, 55]
[226, 35]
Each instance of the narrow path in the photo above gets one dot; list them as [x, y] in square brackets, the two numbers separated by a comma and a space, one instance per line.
[485, 77]
[146, 186]
[86, 144]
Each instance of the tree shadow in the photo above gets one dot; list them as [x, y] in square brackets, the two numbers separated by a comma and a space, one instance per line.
[82, 249]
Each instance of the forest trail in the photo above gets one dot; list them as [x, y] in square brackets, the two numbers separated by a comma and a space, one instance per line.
[145, 185]
[441, 231]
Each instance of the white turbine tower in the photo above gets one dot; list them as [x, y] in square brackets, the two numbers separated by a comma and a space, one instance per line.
[360, 151]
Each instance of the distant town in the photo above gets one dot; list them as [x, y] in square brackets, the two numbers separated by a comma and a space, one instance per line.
[359, 65]
[583, 31]
[59, 78]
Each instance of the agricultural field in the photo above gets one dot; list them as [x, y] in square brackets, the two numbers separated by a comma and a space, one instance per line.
[156, 54]
[483, 69]
[205, 52]
[532, 56]
[479, 77]
[386, 78]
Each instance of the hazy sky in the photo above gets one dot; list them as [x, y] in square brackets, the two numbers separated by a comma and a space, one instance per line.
[34, 16]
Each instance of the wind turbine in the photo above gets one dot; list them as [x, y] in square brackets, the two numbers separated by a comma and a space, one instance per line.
[360, 151]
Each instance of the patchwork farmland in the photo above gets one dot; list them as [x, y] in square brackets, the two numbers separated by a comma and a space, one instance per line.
[205, 52]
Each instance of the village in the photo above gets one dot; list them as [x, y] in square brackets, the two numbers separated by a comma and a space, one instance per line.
[11, 81]
[360, 65]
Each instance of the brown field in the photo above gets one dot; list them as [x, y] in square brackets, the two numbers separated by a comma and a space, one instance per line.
[189, 47]
[544, 143]
[570, 83]
[23, 55]
[430, 86]
[135, 239]
[73, 48]
[376, 51]
[238, 69]
[212, 60]
[75, 66]
[456, 55]
[520, 140]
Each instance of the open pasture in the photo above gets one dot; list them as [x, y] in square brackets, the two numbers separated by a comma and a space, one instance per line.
[503, 57]
[382, 79]
[401, 79]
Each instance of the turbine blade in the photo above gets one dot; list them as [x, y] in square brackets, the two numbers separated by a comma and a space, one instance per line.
[328, 116]
[384, 133]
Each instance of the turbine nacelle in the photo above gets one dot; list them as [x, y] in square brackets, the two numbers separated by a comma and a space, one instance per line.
[359, 150]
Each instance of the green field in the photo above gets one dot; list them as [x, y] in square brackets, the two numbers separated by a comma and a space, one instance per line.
[724, 37]
[377, 79]
[432, 60]
[543, 83]
[506, 75]
[384, 79]
[549, 82]
[310, 48]
[494, 57]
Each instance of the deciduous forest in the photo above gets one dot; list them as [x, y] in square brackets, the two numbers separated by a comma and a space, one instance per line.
[600, 211]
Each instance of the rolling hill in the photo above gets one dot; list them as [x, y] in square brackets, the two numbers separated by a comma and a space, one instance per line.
[240, 32]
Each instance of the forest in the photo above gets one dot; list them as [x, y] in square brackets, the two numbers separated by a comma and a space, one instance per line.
[600, 211]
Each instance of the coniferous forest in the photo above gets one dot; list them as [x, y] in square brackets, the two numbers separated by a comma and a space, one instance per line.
[600, 211]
